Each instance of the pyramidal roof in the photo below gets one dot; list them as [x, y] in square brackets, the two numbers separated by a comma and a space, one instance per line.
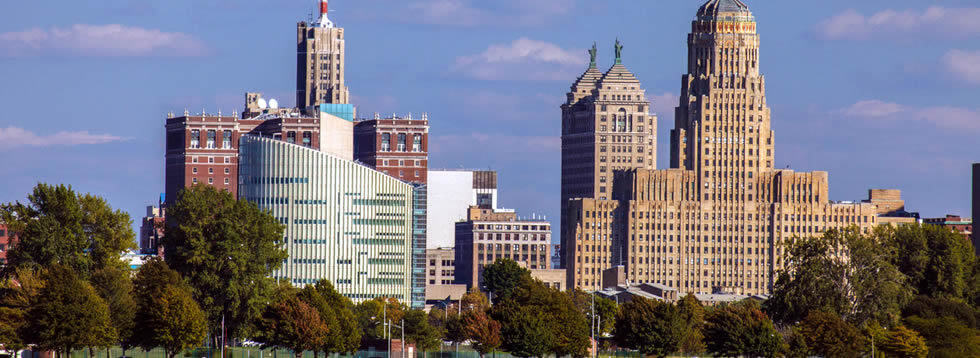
[619, 74]
[589, 78]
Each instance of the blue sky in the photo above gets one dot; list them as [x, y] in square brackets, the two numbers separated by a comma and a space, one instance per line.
[882, 94]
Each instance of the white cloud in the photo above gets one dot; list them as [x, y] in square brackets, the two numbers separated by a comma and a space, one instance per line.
[12, 137]
[100, 40]
[947, 117]
[936, 20]
[523, 59]
[965, 65]
[664, 104]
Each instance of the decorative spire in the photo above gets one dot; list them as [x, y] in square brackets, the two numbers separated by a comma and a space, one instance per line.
[592, 54]
[323, 21]
[619, 52]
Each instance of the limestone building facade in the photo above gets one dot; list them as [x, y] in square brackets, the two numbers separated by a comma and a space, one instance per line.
[320, 62]
[719, 218]
[489, 234]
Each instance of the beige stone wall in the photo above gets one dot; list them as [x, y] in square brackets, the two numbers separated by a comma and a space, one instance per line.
[320, 65]
[337, 136]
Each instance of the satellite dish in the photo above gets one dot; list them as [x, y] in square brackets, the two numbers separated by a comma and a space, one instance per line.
[262, 104]
[273, 103]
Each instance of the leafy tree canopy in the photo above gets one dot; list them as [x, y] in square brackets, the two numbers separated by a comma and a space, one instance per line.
[68, 314]
[902, 342]
[651, 327]
[502, 277]
[292, 324]
[827, 335]
[741, 330]
[115, 286]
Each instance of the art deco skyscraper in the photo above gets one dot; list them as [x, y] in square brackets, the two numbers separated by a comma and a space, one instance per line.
[719, 219]
[320, 62]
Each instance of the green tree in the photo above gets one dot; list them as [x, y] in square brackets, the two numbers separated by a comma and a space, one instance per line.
[827, 335]
[527, 333]
[292, 324]
[651, 327]
[57, 225]
[902, 342]
[115, 286]
[372, 313]
[605, 310]
[347, 337]
[929, 308]
[946, 337]
[844, 272]
[692, 312]
[226, 249]
[483, 331]
[533, 310]
[176, 321]
[741, 330]
[937, 260]
[502, 277]
[18, 293]
[419, 332]
[68, 314]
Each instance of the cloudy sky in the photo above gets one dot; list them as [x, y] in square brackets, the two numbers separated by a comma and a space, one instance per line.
[882, 94]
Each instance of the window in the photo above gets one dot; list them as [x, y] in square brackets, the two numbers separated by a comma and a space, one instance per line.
[194, 180]
[307, 139]
[416, 173]
[291, 137]
[210, 159]
[227, 160]
[401, 142]
[211, 135]
[417, 143]
[227, 170]
[226, 139]
[210, 180]
[195, 138]
[210, 170]
[193, 170]
[386, 142]
[227, 181]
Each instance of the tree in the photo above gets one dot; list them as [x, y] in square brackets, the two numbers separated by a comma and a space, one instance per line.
[946, 336]
[930, 308]
[844, 272]
[533, 315]
[692, 312]
[937, 260]
[902, 342]
[115, 286]
[59, 226]
[18, 293]
[226, 249]
[827, 335]
[741, 330]
[501, 277]
[68, 314]
[605, 310]
[527, 333]
[347, 337]
[651, 327]
[483, 331]
[292, 324]
[371, 314]
[419, 332]
[176, 321]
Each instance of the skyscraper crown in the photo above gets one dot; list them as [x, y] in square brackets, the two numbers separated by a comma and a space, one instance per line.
[714, 8]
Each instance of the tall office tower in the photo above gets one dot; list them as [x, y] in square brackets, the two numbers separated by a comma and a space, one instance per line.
[606, 127]
[397, 146]
[320, 62]
[976, 205]
[719, 219]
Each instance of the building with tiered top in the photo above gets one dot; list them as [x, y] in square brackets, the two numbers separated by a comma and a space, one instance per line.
[718, 219]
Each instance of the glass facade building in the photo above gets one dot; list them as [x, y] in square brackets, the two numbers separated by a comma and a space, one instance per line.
[345, 222]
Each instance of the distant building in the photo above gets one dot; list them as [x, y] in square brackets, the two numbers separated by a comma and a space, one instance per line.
[320, 63]
[489, 235]
[441, 266]
[451, 194]
[151, 229]
[396, 146]
[962, 226]
[890, 207]
[7, 238]
[345, 222]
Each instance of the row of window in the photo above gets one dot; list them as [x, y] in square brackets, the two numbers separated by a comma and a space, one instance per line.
[402, 145]
[210, 181]
[210, 170]
[210, 142]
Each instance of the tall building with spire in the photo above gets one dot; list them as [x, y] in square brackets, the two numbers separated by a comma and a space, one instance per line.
[320, 62]
[719, 218]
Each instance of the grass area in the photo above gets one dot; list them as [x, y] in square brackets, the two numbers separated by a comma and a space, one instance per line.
[255, 352]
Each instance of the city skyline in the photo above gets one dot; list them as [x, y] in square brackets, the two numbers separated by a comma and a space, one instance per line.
[859, 137]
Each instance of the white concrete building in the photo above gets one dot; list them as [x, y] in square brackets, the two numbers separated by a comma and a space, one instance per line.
[451, 193]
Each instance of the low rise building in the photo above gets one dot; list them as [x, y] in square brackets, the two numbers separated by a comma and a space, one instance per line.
[490, 234]
[441, 266]
[962, 226]
[397, 146]
[151, 229]
[7, 238]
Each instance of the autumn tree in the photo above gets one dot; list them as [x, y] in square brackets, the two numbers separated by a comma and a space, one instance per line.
[901, 342]
[226, 249]
[292, 324]
[484, 332]
[946, 336]
[59, 226]
[68, 314]
[741, 330]
[652, 327]
[827, 335]
[18, 293]
[692, 312]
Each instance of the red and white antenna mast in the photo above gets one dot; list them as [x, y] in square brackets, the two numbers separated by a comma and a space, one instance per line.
[323, 21]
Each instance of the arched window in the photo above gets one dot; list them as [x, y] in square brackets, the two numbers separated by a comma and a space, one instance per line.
[401, 142]
[621, 121]
[386, 142]
[417, 143]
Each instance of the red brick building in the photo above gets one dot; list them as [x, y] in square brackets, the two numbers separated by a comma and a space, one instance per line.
[396, 146]
[6, 239]
[203, 148]
[963, 226]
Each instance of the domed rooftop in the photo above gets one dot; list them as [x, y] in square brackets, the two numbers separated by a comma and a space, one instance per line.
[713, 8]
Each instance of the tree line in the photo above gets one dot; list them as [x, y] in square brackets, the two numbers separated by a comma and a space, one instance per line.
[907, 291]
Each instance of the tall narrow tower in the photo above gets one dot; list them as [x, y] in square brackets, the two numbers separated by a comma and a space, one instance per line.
[320, 62]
